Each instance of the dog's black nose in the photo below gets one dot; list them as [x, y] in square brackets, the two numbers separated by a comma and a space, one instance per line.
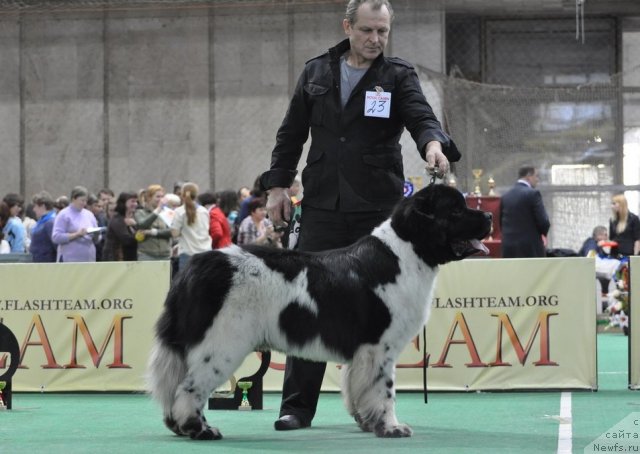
[488, 215]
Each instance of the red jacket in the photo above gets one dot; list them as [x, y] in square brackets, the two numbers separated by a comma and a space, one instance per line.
[219, 230]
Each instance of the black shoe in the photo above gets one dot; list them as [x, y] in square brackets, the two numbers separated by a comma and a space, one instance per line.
[290, 422]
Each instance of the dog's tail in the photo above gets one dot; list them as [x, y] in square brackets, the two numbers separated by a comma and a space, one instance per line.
[165, 372]
[166, 367]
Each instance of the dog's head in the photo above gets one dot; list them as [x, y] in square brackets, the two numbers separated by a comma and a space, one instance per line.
[442, 229]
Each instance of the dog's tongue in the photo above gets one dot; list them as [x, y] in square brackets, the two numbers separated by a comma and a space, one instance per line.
[479, 245]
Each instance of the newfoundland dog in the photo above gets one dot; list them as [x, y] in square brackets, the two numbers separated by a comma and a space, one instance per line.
[358, 306]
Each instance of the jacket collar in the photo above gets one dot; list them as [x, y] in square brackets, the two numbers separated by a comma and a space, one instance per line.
[336, 51]
[339, 49]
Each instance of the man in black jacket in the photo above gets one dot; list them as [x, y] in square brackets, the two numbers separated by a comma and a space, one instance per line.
[523, 218]
[356, 103]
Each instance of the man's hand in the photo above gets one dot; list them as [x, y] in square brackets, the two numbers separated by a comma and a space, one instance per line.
[279, 206]
[436, 160]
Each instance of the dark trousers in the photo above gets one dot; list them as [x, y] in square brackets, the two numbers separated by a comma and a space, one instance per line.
[320, 230]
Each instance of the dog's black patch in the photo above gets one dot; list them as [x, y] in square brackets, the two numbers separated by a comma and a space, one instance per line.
[288, 263]
[349, 312]
[195, 298]
[341, 282]
[298, 323]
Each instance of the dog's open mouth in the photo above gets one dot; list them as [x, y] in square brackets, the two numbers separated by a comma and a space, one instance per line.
[469, 247]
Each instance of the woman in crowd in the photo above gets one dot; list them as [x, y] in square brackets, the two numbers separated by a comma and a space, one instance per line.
[219, 230]
[42, 248]
[154, 226]
[75, 229]
[14, 231]
[229, 204]
[256, 228]
[190, 225]
[624, 226]
[120, 244]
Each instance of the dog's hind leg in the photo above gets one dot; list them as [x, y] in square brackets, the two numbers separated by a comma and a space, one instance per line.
[369, 392]
[207, 371]
[165, 372]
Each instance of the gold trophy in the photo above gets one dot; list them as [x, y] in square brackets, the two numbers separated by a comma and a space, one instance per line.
[244, 386]
[492, 187]
[477, 173]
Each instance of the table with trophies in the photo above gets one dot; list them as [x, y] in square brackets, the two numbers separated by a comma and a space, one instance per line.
[491, 203]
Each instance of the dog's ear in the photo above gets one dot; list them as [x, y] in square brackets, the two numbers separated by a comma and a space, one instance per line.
[412, 213]
[424, 201]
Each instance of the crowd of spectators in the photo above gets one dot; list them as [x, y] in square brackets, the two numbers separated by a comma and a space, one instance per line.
[148, 224]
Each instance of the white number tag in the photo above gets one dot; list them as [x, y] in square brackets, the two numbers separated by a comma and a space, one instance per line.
[377, 104]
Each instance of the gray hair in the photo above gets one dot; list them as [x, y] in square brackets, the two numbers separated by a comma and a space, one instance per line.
[599, 229]
[353, 5]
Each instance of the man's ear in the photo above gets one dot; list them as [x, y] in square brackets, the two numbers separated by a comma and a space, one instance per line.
[346, 25]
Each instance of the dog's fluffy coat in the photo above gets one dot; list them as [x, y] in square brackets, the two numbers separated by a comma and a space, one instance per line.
[358, 306]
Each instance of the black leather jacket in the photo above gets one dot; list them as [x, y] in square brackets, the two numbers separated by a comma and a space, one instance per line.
[354, 162]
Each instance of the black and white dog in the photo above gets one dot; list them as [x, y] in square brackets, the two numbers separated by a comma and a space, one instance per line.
[359, 306]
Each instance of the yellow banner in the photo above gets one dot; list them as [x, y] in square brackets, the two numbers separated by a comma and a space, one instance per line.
[634, 323]
[495, 324]
[498, 324]
[514, 324]
[82, 326]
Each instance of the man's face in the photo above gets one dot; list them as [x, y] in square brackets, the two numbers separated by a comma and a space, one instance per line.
[97, 208]
[107, 202]
[369, 34]
[533, 179]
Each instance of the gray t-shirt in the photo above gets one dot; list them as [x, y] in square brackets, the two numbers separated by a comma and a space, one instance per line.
[349, 78]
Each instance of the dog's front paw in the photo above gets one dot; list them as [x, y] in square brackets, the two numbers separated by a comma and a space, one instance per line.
[209, 433]
[197, 429]
[396, 431]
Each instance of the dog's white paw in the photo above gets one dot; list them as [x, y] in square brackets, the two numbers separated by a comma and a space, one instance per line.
[395, 431]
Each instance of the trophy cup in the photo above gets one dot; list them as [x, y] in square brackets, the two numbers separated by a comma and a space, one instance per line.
[477, 173]
[244, 386]
[492, 187]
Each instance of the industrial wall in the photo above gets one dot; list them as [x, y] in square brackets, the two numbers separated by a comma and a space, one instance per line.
[125, 99]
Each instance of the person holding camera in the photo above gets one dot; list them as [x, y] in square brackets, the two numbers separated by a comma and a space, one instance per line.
[257, 229]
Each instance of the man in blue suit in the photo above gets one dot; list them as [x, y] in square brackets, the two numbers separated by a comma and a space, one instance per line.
[523, 218]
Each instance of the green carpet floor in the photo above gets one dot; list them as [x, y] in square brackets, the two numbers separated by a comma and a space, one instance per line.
[449, 423]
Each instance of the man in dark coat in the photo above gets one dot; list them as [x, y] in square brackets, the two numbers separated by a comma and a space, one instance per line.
[355, 102]
[523, 218]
